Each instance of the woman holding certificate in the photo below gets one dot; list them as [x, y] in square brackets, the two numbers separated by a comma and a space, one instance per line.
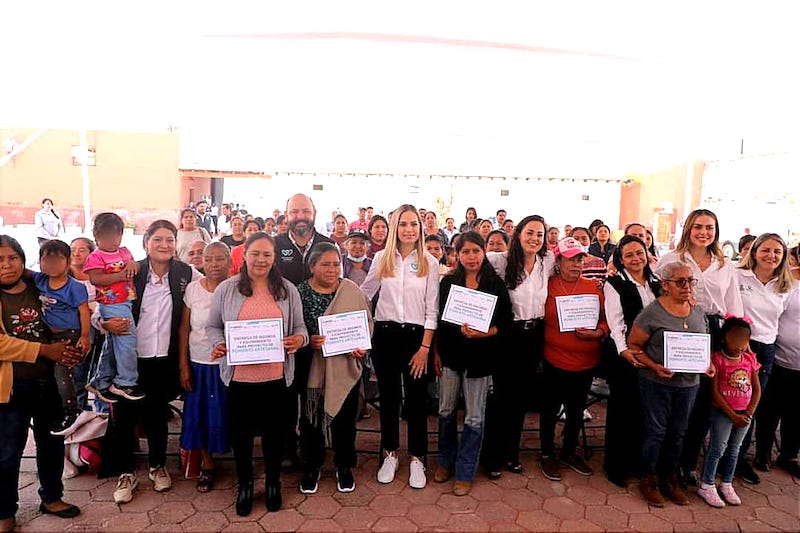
[331, 400]
[525, 268]
[463, 360]
[717, 294]
[256, 326]
[406, 279]
[574, 329]
[626, 293]
[664, 337]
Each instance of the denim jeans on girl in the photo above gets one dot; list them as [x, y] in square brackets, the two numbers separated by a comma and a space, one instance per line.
[463, 457]
[118, 362]
[723, 449]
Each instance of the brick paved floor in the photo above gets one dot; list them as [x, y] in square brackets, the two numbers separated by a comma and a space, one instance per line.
[526, 502]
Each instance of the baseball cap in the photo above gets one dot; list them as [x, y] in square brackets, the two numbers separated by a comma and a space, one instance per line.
[358, 233]
[569, 248]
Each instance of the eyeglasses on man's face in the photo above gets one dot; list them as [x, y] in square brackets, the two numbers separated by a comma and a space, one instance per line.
[682, 282]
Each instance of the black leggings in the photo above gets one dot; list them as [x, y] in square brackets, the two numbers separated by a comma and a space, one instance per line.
[343, 434]
[257, 409]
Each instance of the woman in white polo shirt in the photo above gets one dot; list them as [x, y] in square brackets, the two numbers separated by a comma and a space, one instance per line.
[779, 403]
[764, 283]
[717, 294]
[406, 279]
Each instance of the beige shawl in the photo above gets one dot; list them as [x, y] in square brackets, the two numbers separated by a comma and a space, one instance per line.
[333, 378]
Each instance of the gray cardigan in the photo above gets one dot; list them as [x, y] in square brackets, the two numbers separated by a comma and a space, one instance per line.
[225, 307]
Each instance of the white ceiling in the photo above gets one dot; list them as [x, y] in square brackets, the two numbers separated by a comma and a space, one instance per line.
[575, 89]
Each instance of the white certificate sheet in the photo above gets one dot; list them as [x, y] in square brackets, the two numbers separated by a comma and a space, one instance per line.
[687, 352]
[344, 332]
[252, 342]
[578, 311]
[470, 307]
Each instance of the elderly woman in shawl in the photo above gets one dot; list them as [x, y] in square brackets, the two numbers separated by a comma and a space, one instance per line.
[332, 399]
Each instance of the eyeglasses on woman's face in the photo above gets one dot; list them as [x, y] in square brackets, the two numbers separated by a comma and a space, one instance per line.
[682, 282]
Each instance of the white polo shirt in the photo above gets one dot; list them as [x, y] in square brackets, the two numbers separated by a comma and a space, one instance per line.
[762, 303]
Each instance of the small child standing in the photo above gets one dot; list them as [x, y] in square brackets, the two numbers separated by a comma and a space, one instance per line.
[735, 395]
[65, 309]
[111, 269]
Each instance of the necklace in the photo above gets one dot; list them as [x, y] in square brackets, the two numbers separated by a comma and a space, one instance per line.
[574, 286]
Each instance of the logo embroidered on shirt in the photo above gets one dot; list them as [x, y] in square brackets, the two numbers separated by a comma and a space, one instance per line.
[414, 267]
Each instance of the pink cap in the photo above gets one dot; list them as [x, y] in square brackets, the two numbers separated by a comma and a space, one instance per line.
[569, 248]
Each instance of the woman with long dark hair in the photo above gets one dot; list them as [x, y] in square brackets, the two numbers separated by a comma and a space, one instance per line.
[48, 223]
[461, 361]
[631, 289]
[257, 292]
[525, 269]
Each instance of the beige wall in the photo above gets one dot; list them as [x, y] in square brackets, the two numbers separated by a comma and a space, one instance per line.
[136, 175]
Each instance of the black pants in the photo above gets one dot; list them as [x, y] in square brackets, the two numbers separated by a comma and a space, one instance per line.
[393, 346]
[516, 381]
[257, 409]
[779, 405]
[37, 400]
[570, 389]
[296, 399]
[157, 378]
[624, 419]
[343, 434]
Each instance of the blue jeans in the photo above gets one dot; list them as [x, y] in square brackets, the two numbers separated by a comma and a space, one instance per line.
[118, 362]
[36, 400]
[765, 355]
[723, 449]
[666, 415]
[463, 457]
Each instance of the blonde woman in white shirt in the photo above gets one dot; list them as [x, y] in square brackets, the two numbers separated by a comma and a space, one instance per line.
[764, 280]
[406, 279]
[717, 294]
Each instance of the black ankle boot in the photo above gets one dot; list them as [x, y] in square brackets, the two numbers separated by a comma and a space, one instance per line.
[244, 501]
[273, 497]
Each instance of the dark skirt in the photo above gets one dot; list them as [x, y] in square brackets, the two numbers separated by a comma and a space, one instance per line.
[205, 412]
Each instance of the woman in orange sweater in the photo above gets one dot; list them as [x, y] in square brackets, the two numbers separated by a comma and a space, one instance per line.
[570, 356]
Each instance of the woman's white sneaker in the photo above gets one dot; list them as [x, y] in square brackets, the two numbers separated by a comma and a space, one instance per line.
[416, 474]
[126, 484]
[388, 469]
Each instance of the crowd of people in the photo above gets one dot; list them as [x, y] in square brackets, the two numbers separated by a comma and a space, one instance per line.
[158, 330]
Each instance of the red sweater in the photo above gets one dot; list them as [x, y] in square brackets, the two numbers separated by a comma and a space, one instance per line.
[565, 350]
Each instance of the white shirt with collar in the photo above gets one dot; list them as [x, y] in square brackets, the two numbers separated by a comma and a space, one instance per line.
[717, 290]
[529, 297]
[762, 303]
[154, 328]
[787, 343]
[614, 315]
[405, 298]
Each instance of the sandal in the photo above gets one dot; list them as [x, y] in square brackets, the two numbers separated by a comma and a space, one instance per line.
[206, 481]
